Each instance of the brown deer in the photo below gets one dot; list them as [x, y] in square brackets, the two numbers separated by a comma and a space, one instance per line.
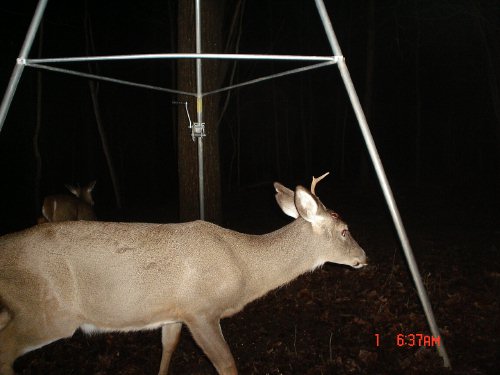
[65, 207]
[103, 276]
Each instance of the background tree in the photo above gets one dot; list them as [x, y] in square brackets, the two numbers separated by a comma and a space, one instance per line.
[215, 15]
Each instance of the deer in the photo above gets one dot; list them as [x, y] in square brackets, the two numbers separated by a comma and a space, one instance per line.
[56, 278]
[65, 207]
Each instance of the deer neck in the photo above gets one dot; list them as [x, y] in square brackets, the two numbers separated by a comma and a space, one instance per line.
[276, 258]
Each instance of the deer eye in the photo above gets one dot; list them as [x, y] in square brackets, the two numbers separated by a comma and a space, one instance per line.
[334, 215]
[344, 232]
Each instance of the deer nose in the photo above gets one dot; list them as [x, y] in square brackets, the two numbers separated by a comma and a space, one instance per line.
[359, 264]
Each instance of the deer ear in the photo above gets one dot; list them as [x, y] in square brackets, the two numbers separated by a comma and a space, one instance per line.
[307, 205]
[90, 186]
[286, 200]
[73, 190]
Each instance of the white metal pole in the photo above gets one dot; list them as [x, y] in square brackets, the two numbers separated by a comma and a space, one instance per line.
[178, 56]
[19, 67]
[384, 183]
[199, 112]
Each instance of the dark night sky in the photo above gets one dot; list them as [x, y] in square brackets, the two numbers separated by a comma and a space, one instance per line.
[435, 72]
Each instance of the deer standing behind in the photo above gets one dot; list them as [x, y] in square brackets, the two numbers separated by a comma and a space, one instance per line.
[65, 207]
[103, 276]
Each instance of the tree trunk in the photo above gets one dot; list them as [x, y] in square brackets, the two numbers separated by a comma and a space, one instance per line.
[94, 94]
[212, 22]
[418, 101]
[38, 126]
[368, 94]
[490, 51]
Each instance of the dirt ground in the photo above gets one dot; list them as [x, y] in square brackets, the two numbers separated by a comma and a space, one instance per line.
[338, 320]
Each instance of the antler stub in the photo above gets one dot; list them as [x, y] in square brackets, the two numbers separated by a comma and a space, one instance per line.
[316, 180]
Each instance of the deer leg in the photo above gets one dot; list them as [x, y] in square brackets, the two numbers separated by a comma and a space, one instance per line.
[7, 359]
[10, 348]
[20, 336]
[208, 335]
[170, 334]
